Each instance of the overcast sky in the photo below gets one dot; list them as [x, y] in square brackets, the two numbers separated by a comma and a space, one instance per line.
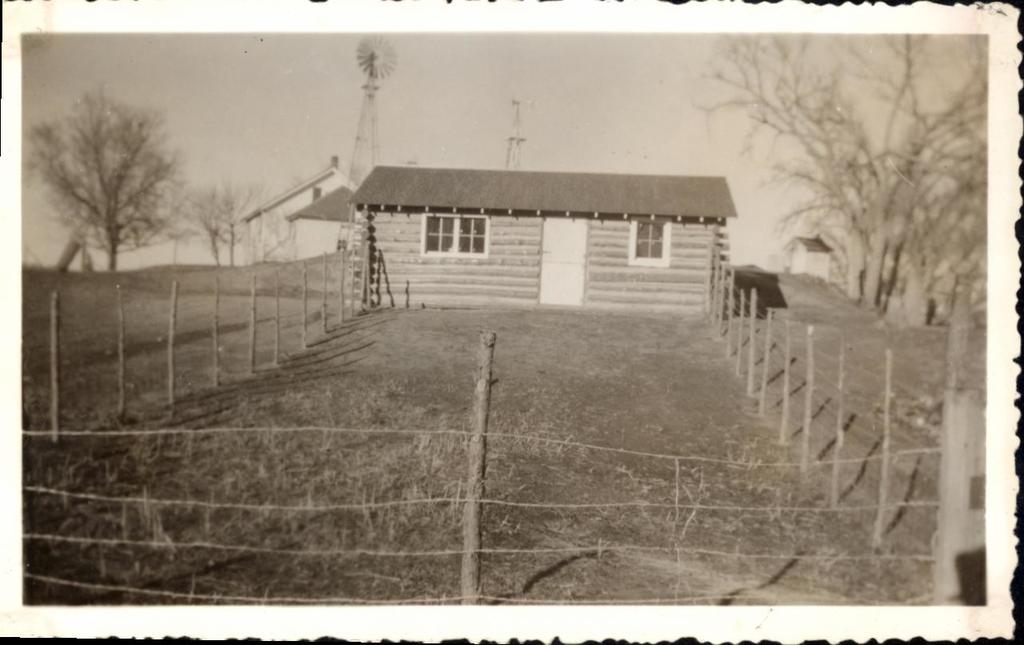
[272, 109]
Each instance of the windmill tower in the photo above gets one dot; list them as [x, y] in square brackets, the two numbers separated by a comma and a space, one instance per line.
[376, 58]
[512, 153]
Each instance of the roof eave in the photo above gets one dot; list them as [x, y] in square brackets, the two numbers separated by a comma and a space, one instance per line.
[505, 211]
[291, 192]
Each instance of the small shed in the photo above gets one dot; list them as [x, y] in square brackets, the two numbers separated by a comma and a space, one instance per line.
[810, 256]
[513, 237]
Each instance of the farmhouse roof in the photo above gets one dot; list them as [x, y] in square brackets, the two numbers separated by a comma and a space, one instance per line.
[815, 244]
[332, 207]
[547, 191]
[327, 172]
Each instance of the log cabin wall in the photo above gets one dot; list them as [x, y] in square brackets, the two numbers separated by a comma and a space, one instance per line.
[509, 275]
[680, 287]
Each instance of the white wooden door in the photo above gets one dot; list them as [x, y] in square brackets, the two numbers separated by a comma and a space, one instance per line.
[563, 261]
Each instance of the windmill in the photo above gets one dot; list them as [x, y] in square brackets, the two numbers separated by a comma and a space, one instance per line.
[376, 58]
[512, 153]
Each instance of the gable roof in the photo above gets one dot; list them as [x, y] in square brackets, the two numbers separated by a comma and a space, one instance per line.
[332, 207]
[326, 173]
[547, 191]
[815, 244]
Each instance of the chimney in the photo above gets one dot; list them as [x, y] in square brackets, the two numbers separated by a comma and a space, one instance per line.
[334, 161]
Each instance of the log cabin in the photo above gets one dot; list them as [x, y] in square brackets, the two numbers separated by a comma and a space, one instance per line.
[465, 237]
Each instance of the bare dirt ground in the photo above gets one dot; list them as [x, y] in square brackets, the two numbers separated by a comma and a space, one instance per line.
[649, 383]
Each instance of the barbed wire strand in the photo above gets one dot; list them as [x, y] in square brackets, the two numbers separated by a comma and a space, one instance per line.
[94, 586]
[602, 548]
[307, 507]
[36, 434]
[269, 600]
[400, 432]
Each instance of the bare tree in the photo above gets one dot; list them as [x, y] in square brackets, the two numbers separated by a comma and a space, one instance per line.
[895, 176]
[109, 171]
[217, 212]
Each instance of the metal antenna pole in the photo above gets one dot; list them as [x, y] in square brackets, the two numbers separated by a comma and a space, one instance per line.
[513, 152]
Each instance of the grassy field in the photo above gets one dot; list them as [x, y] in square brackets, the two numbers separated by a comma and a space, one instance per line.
[649, 383]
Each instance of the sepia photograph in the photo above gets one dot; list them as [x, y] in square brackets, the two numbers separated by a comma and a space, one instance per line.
[424, 317]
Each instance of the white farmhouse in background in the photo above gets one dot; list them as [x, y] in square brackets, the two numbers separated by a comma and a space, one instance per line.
[308, 219]
[810, 256]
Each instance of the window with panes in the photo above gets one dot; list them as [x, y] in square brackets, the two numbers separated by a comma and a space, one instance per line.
[650, 239]
[456, 234]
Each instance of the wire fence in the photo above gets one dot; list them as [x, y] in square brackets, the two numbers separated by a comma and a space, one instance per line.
[765, 365]
[150, 507]
[813, 406]
[117, 349]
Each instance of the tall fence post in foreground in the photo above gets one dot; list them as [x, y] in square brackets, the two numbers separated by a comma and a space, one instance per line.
[784, 417]
[477, 456]
[805, 432]
[323, 297]
[305, 303]
[216, 330]
[883, 477]
[762, 401]
[959, 572]
[277, 317]
[171, 327]
[739, 332]
[55, 364]
[837, 446]
[252, 324]
[120, 354]
[752, 349]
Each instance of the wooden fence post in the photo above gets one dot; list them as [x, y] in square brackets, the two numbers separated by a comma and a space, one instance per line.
[752, 349]
[477, 458]
[171, 327]
[277, 316]
[252, 324]
[784, 417]
[707, 279]
[713, 317]
[739, 332]
[720, 303]
[55, 364]
[959, 572]
[883, 477]
[216, 330]
[305, 304]
[120, 354]
[837, 449]
[762, 402]
[355, 283]
[805, 435]
[323, 298]
[366, 289]
[729, 304]
[341, 284]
